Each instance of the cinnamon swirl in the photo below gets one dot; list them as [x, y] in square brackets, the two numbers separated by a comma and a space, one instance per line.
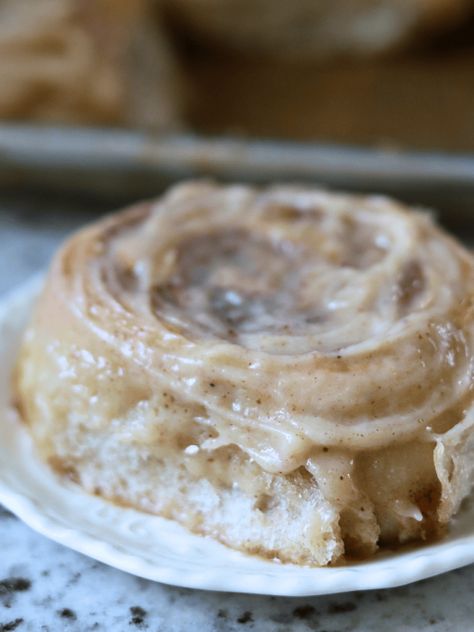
[287, 370]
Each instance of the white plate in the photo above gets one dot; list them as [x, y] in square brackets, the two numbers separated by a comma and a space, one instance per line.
[161, 550]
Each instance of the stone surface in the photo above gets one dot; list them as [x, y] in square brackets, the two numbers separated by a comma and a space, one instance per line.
[45, 587]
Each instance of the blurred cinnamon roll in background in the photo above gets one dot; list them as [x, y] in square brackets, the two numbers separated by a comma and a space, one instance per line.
[316, 28]
[76, 61]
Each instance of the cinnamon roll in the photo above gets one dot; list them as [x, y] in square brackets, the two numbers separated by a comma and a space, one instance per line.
[316, 29]
[77, 61]
[287, 370]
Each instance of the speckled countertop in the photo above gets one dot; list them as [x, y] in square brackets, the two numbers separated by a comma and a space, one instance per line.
[45, 587]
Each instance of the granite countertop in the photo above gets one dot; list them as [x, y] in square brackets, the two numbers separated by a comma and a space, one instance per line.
[46, 587]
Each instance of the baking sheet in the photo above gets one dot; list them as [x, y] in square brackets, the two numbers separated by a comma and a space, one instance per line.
[127, 164]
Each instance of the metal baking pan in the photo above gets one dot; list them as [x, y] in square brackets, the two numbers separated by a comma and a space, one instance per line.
[127, 164]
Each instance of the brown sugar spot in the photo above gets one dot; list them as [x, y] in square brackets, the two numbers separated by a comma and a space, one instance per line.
[289, 213]
[265, 503]
[410, 286]
[427, 500]
[63, 468]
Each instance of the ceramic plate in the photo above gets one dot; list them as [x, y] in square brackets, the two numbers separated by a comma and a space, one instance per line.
[161, 550]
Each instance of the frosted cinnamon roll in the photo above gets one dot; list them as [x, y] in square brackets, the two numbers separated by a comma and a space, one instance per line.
[316, 29]
[88, 62]
[286, 370]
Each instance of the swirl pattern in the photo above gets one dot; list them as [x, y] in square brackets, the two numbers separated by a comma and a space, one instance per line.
[227, 354]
